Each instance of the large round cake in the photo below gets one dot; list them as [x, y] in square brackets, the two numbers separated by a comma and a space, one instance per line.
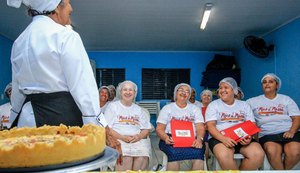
[49, 145]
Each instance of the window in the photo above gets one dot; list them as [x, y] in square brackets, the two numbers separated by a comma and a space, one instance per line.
[160, 83]
[109, 76]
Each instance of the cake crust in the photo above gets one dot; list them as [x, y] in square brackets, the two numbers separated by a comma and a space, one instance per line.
[49, 145]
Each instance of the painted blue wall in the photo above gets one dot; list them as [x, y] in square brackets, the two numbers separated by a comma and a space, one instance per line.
[284, 61]
[133, 62]
[5, 70]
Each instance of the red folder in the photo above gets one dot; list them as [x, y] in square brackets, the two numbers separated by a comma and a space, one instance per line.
[182, 133]
[240, 131]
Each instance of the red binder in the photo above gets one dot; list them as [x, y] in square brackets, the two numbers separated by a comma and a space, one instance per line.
[240, 131]
[182, 133]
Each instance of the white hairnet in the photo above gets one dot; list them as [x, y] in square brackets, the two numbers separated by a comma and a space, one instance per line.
[231, 82]
[111, 87]
[272, 75]
[105, 87]
[178, 86]
[8, 86]
[38, 5]
[207, 92]
[121, 85]
[242, 93]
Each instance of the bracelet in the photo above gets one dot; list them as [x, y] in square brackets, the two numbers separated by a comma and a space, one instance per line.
[199, 137]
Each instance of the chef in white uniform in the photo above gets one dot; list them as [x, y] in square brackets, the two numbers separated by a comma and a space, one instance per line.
[50, 67]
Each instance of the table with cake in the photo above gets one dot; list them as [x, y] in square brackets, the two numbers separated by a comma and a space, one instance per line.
[55, 148]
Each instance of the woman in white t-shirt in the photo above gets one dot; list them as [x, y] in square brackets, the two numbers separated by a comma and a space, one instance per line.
[181, 109]
[226, 112]
[131, 126]
[278, 116]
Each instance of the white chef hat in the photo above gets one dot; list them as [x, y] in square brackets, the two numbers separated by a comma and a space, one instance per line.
[272, 75]
[231, 82]
[121, 85]
[178, 86]
[38, 5]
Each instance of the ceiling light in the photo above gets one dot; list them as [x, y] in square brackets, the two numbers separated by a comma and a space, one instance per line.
[205, 16]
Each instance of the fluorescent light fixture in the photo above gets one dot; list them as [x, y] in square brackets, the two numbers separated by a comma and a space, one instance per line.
[205, 16]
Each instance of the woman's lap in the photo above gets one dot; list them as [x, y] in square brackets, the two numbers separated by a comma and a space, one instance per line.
[177, 154]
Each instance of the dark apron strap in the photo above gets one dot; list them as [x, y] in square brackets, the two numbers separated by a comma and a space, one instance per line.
[55, 109]
[16, 120]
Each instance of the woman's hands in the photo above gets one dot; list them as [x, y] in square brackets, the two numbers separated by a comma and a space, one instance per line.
[198, 143]
[246, 140]
[131, 139]
[288, 134]
[228, 142]
[168, 140]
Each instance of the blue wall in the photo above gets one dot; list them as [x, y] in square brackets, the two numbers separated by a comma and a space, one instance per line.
[5, 70]
[284, 61]
[135, 61]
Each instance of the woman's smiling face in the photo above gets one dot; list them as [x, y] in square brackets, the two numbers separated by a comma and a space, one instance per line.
[226, 92]
[183, 93]
[127, 92]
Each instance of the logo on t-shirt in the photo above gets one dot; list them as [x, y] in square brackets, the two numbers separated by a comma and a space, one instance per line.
[233, 116]
[272, 110]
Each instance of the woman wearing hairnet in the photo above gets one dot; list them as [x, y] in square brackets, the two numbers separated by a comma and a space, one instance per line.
[104, 95]
[224, 113]
[206, 97]
[181, 109]
[5, 109]
[51, 68]
[278, 116]
[131, 126]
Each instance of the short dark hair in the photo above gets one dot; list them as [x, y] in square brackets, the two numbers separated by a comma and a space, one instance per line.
[32, 12]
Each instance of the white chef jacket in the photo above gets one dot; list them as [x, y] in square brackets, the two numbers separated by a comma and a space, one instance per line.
[48, 57]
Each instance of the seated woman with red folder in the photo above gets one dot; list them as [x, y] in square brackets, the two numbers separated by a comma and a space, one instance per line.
[181, 111]
[226, 112]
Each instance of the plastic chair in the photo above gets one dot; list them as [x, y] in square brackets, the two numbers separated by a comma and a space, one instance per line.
[165, 162]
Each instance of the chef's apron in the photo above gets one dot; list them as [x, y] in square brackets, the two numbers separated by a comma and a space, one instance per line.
[55, 109]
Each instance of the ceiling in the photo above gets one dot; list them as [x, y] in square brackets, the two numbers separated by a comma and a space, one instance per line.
[164, 25]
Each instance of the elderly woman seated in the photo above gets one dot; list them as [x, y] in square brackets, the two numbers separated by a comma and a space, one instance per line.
[130, 125]
[181, 109]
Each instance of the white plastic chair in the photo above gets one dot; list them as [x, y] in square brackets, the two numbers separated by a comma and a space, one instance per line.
[165, 162]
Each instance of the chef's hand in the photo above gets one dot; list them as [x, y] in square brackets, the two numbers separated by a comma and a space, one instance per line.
[113, 143]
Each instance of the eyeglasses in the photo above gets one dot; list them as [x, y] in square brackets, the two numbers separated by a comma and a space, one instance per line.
[183, 91]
